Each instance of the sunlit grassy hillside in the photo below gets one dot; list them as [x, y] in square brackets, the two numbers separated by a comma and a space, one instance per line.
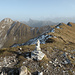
[65, 34]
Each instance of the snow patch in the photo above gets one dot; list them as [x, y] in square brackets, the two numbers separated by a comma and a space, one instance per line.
[53, 30]
[55, 37]
[58, 27]
[42, 39]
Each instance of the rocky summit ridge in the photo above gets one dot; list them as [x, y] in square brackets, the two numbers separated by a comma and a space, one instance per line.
[59, 33]
[7, 20]
[57, 45]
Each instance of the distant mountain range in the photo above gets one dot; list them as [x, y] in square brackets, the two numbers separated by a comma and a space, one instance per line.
[37, 23]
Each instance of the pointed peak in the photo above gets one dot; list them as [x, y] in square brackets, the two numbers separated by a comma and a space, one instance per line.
[7, 19]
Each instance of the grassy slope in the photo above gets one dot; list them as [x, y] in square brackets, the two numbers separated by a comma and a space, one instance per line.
[66, 34]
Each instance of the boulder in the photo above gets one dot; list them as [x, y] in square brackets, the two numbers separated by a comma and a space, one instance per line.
[40, 73]
[24, 71]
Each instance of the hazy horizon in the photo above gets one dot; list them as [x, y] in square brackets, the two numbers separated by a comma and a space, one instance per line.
[55, 20]
[22, 10]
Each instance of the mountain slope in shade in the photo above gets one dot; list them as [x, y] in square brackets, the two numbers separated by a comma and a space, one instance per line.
[15, 32]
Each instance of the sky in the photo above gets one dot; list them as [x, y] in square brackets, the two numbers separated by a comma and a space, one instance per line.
[36, 9]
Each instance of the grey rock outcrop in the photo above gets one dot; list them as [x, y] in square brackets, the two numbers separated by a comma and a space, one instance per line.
[7, 20]
[40, 73]
[24, 71]
[3, 73]
[8, 61]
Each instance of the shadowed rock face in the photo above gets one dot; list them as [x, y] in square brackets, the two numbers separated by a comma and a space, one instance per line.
[50, 40]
